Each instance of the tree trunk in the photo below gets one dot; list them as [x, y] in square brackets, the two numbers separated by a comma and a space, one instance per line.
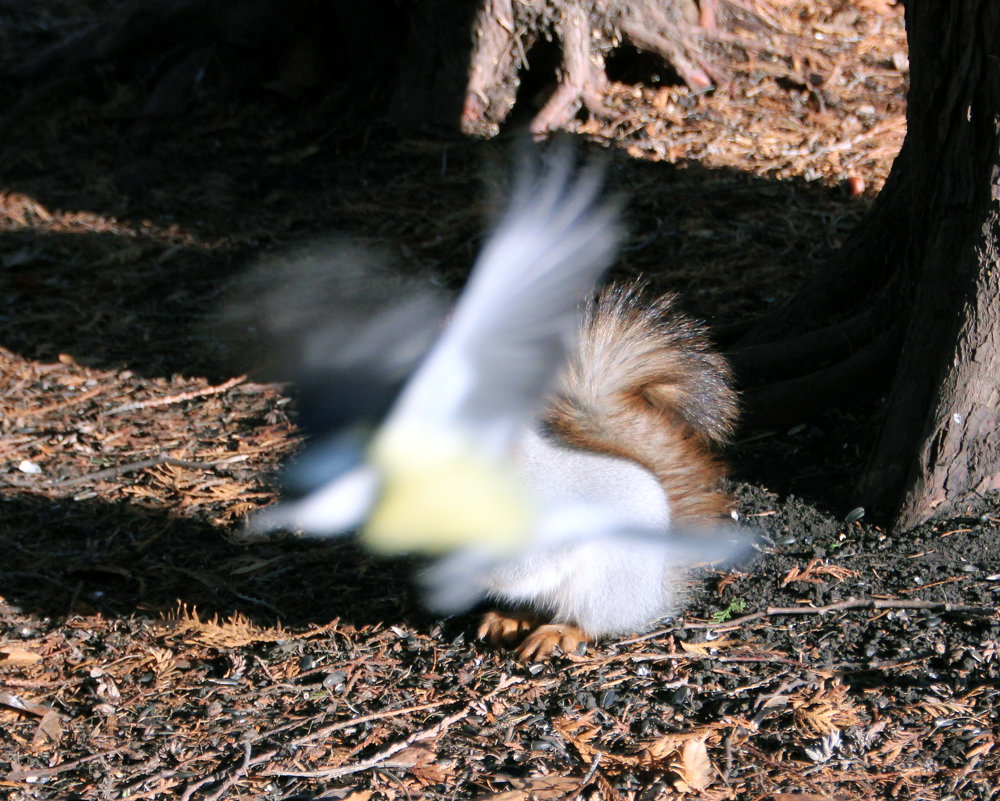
[922, 270]
[940, 443]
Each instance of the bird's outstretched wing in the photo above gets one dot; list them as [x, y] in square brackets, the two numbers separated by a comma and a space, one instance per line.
[459, 580]
[446, 450]
[517, 318]
[347, 328]
[341, 321]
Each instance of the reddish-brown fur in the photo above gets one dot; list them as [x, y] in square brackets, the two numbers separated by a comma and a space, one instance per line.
[646, 385]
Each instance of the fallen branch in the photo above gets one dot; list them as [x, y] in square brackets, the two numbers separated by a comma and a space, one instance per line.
[132, 467]
[179, 397]
[346, 724]
[243, 770]
[850, 603]
[16, 702]
[52, 407]
[248, 762]
[19, 775]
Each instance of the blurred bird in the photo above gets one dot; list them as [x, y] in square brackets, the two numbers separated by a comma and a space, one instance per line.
[448, 417]
[447, 440]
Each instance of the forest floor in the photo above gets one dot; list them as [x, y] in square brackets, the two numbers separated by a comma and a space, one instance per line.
[146, 651]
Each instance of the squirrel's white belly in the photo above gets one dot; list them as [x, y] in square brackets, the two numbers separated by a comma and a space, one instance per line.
[558, 474]
[603, 585]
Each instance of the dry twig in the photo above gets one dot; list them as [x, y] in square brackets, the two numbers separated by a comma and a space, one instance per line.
[850, 603]
[180, 397]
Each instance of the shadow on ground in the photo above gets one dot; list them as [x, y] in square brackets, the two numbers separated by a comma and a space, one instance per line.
[67, 557]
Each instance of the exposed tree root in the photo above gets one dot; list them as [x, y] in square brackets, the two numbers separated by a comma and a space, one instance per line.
[850, 604]
[859, 376]
[587, 31]
[781, 359]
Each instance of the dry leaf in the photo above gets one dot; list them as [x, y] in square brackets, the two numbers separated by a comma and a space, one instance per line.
[823, 710]
[981, 749]
[431, 774]
[413, 756]
[705, 648]
[12, 656]
[940, 708]
[665, 747]
[802, 797]
[693, 768]
[817, 571]
[49, 730]
[581, 740]
[16, 702]
[237, 630]
[539, 788]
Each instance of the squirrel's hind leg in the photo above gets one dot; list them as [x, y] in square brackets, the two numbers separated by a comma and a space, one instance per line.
[543, 640]
[507, 628]
[537, 638]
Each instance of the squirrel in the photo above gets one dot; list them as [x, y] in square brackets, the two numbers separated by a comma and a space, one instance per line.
[635, 422]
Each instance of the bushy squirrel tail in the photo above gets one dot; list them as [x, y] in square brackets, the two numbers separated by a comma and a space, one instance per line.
[645, 384]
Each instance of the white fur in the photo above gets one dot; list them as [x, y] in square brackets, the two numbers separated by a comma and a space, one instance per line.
[557, 474]
[603, 584]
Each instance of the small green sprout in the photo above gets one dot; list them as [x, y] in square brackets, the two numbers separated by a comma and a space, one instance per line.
[736, 606]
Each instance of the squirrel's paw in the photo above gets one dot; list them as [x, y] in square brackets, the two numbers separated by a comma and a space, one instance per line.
[541, 642]
[506, 628]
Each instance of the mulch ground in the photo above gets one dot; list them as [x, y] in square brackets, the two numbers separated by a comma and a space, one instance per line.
[148, 651]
